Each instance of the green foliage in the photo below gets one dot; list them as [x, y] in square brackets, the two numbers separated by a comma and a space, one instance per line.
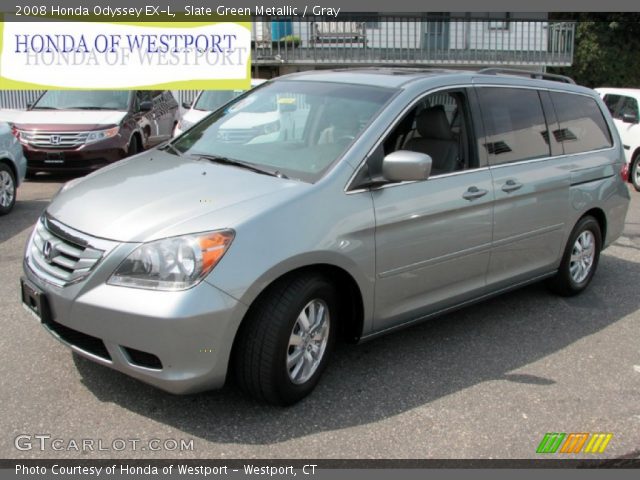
[607, 49]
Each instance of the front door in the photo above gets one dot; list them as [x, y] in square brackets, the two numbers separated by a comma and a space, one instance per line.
[433, 238]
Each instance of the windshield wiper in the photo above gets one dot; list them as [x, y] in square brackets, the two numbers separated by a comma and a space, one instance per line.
[43, 108]
[91, 108]
[241, 164]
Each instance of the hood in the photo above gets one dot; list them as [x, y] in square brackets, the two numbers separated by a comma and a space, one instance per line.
[157, 194]
[52, 118]
[9, 116]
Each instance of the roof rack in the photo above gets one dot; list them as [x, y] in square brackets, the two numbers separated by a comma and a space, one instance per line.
[527, 73]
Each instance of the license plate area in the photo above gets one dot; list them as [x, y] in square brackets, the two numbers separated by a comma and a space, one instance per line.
[54, 157]
[34, 300]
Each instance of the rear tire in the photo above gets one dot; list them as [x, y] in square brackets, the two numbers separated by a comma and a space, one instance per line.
[580, 259]
[7, 189]
[285, 342]
[635, 173]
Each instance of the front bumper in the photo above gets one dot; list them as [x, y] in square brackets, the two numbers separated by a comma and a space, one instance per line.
[84, 158]
[190, 332]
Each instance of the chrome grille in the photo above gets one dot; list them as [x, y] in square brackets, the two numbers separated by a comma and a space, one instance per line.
[62, 256]
[53, 139]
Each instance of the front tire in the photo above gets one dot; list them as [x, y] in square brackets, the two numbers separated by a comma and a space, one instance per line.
[7, 189]
[635, 173]
[134, 146]
[580, 259]
[285, 342]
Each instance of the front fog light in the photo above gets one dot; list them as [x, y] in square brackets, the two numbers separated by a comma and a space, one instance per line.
[175, 263]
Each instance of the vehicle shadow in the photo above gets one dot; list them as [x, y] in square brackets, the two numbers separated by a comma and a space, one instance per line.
[24, 214]
[54, 177]
[391, 375]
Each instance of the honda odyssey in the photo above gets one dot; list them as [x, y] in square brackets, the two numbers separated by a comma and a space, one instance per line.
[387, 198]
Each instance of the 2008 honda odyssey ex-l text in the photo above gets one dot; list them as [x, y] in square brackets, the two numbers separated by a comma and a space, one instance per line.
[380, 199]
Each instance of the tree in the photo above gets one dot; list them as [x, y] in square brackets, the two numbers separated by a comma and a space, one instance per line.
[607, 49]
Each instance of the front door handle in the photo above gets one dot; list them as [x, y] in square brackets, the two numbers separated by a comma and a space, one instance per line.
[511, 186]
[474, 192]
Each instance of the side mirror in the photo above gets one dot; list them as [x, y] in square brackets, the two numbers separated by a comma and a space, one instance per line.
[146, 106]
[29, 105]
[187, 105]
[629, 118]
[406, 166]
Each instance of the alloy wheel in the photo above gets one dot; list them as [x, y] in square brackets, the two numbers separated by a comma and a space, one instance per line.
[582, 256]
[308, 341]
[7, 189]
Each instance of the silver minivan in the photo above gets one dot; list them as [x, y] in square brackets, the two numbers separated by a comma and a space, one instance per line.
[380, 198]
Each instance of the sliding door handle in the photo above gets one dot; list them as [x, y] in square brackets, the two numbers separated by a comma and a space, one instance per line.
[511, 186]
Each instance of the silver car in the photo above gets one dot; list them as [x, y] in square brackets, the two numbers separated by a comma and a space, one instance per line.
[13, 167]
[375, 200]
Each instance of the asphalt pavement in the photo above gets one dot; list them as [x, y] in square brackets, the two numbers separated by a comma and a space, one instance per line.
[484, 382]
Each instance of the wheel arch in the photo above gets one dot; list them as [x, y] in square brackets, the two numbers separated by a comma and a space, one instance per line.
[347, 288]
[6, 161]
[601, 218]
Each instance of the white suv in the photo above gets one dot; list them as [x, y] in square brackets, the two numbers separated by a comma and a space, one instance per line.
[623, 105]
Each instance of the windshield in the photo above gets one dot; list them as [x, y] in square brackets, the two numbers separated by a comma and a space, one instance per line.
[89, 100]
[210, 100]
[297, 128]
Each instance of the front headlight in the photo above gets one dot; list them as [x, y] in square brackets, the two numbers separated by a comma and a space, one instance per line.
[98, 135]
[172, 264]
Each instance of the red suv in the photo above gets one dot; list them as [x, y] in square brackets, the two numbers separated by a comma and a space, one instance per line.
[85, 130]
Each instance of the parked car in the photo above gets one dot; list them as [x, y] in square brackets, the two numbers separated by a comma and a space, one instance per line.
[205, 103]
[623, 105]
[85, 130]
[13, 167]
[403, 195]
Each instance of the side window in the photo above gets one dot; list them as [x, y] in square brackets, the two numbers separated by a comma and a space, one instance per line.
[141, 96]
[629, 107]
[514, 123]
[582, 125]
[611, 101]
[439, 126]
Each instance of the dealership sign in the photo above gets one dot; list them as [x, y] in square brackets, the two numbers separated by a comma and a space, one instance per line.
[109, 55]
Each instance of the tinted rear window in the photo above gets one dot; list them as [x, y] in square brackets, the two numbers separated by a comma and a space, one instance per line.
[514, 123]
[582, 125]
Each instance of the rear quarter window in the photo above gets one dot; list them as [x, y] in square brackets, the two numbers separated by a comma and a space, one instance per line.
[582, 127]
